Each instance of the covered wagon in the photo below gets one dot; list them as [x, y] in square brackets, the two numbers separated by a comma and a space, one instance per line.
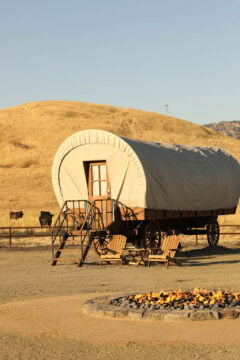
[110, 184]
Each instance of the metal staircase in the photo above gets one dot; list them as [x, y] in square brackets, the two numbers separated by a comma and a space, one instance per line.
[81, 223]
[78, 224]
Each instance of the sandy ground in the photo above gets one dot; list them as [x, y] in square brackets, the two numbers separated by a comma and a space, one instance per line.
[41, 315]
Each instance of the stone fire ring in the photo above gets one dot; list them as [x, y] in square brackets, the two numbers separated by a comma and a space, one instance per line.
[101, 306]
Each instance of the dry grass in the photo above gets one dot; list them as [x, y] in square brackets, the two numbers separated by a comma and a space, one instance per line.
[31, 134]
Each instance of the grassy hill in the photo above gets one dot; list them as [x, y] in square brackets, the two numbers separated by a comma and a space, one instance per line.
[31, 134]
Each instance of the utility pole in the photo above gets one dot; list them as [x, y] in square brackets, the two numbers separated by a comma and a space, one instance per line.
[166, 108]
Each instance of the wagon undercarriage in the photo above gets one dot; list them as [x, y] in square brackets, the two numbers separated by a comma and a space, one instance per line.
[92, 224]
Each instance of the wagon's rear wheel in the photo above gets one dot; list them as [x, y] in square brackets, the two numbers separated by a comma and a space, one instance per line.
[100, 243]
[152, 235]
[213, 233]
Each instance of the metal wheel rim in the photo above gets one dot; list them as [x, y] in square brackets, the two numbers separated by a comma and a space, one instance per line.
[213, 233]
[99, 244]
[152, 235]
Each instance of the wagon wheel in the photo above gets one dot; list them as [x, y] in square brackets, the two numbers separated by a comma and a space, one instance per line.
[129, 214]
[152, 235]
[100, 243]
[213, 233]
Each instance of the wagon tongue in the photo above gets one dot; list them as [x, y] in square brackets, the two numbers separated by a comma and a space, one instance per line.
[198, 298]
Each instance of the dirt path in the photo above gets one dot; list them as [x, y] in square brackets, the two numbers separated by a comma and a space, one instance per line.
[41, 316]
[62, 317]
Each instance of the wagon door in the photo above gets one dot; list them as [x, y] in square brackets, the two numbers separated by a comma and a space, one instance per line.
[99, 189]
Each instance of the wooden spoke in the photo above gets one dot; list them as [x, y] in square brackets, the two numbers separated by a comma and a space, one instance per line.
[213, 233]
[100, 243]
[152, 235]
[129, 214]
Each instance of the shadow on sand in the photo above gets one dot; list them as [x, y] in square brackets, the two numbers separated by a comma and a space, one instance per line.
[196, 257]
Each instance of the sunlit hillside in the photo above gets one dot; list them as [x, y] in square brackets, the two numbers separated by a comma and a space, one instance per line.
[31, 134]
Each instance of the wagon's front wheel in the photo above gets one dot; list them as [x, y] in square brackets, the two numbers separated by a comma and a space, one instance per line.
[100, 243]
[152, 235]
[213, 233]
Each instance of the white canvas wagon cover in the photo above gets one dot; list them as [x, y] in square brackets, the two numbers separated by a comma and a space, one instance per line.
[148, 174]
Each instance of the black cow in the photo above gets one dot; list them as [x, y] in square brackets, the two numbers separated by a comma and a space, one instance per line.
[45, 218]
[15, 215]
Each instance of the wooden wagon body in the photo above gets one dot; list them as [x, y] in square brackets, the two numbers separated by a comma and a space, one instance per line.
[109, 184]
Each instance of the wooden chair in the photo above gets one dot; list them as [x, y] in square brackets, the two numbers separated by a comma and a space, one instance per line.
[114, 250]
[166, 253]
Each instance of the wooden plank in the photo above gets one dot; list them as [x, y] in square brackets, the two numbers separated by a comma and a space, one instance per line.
[158, 214]
[10, 237]
[70, 250]
[66, 259]
[78, 232]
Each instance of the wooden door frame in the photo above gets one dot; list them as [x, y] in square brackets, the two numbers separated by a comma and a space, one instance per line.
[88, 172]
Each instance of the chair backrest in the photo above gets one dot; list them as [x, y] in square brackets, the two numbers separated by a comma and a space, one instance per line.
[170, 242]
[117, 243]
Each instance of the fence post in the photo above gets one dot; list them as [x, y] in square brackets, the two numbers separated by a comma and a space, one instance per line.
[10, 237]
[196, 239]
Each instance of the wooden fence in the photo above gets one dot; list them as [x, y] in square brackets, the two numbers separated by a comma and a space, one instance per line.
[11, 234]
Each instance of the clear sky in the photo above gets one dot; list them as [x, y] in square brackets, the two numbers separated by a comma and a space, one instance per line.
[128, 53]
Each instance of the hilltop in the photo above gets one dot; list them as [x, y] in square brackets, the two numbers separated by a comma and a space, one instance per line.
[31, 134]
[230, 128]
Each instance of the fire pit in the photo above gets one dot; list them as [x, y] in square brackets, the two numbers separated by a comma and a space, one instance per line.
[169, 305]
[184, 300]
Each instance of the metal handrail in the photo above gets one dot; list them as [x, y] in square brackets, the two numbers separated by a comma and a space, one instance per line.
[58, 224]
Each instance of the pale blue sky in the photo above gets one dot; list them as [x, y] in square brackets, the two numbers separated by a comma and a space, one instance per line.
[128, 53]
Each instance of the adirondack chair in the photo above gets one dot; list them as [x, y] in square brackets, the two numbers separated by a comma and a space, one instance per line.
[166, 253]
[114, 250]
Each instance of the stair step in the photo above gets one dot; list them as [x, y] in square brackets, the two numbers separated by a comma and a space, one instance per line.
[66, 259]
[78, 237]
[75, 241]
[78, 232]
[70, 250]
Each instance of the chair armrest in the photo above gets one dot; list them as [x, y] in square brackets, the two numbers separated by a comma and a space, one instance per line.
[103, 249]
[159, 250]
[169, 251]
[108, 250]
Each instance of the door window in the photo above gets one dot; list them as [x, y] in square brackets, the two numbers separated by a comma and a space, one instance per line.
[98, 179]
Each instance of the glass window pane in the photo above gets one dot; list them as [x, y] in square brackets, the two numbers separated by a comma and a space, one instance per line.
[103, 174]
[95, 172]
[103, 188]
[95, 188]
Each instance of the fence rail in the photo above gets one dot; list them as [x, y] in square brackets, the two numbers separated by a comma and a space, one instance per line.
[10, 234]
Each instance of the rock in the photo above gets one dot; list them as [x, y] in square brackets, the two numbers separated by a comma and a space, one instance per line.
[216, 314]
[109, 313]
[134, 306]
[202, 315]
[134, 315]
[176, 316]
[230, 314]
[123, 304]
[151, 315]
[121, 313]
